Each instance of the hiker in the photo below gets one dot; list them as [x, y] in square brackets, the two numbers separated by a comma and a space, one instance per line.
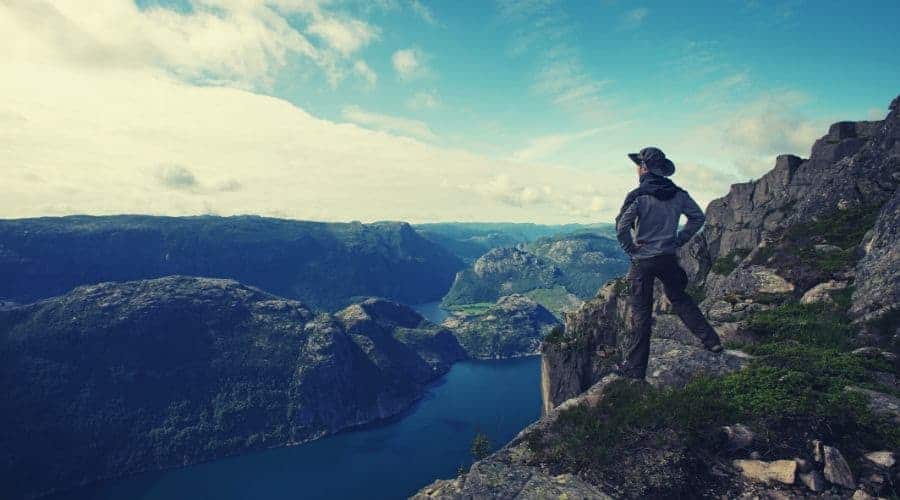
[652, 211]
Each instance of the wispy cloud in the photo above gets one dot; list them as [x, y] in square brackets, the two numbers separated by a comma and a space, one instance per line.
[344, 36]
[423, 100]
[543, 31]
[541, 147]
[396, 124]
[367, 74]
[422, 11]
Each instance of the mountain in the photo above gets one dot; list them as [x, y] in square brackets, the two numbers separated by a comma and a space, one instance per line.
[514, 326]
[799, 272]
[558, 272]
[325, 265]
[117, 378]
[470, 240]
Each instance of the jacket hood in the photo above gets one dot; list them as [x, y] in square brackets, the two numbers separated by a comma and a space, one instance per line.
[658, 187]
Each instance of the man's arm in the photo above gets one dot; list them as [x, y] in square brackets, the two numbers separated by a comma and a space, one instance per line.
[624, 222]
[695, 220]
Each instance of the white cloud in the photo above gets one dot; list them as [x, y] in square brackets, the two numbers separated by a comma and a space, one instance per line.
[365, 72]
[107, 119]
[503, 189]
[345, 36]
[239, 43]
[95, 145]
[409, 63]
[749, 136]
[423, 100]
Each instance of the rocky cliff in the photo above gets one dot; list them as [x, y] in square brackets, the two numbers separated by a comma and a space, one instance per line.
[514, 326]
[117, 378]
[325, 265]
[798, 271]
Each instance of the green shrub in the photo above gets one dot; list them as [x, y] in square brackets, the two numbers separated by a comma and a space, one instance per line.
[481, 446]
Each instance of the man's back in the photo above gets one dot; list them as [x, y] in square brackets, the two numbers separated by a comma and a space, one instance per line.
[651, 217]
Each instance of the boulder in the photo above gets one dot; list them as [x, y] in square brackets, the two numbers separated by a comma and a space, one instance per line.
[739, 435]
[880, 403]
[881, 458]
[862, 495]
[673, 364]
[818, 450]
[822, 292]
[782, 471]
[750, 281]
[874, 352]
[836, 469]
[813, 480]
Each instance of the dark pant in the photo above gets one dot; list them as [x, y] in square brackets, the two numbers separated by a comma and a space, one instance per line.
[640, 284]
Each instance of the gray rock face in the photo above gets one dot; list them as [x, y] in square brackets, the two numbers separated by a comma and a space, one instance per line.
[594, 337]
[881, 403]
[836, 469]
[877, 293]
[514, 326]
[190, 369]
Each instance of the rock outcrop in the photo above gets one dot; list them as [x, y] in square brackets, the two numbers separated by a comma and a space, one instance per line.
[757, 247]
[815, 238]
[117, 378]
[514, 326]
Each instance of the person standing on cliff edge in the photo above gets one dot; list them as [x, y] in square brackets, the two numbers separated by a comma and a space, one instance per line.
[651, 212]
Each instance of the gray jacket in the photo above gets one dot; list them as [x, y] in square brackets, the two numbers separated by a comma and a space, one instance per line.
[650, 218]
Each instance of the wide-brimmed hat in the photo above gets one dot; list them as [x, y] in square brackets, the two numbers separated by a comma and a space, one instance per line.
[655, 161]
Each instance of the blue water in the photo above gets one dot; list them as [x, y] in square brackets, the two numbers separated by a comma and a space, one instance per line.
[386, 461]
[432, 311]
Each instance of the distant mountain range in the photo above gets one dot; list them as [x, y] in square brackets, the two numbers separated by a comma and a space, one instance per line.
[326, 265]
[470, 240]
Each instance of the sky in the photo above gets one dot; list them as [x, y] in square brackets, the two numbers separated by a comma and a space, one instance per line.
[418, 110]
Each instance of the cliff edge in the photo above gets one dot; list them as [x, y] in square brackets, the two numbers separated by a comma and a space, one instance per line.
[798, 271]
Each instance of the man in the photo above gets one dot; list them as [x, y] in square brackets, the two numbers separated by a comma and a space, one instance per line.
[652, 211]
